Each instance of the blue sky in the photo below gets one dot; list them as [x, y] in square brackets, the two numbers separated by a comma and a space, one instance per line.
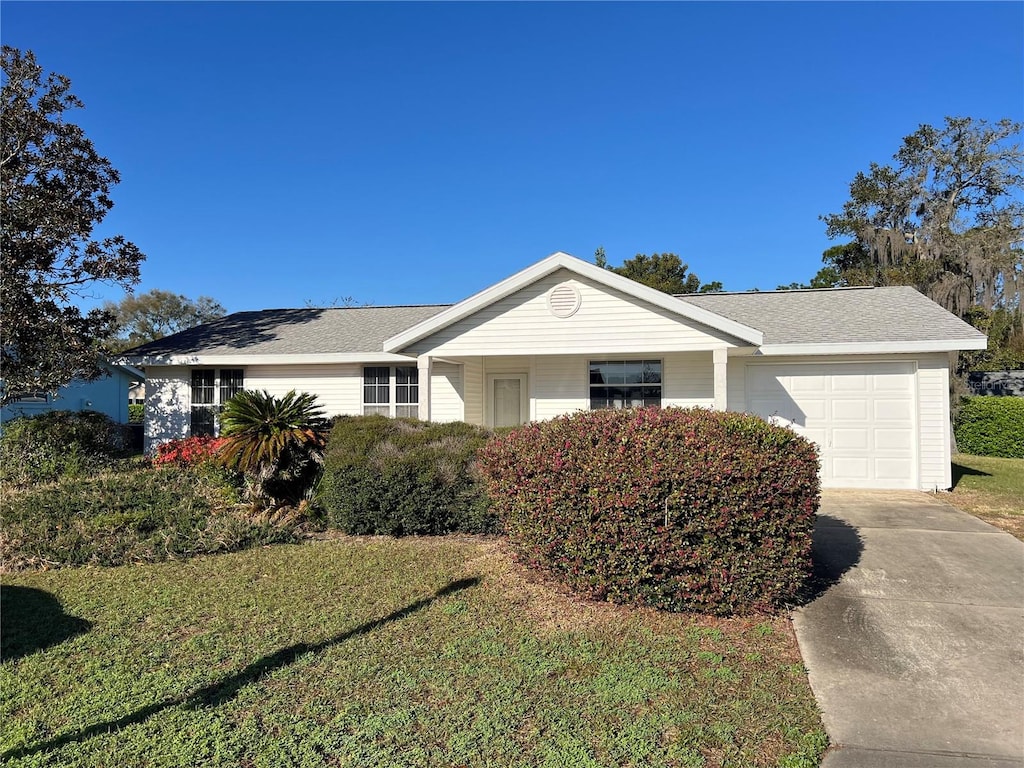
[416, 153]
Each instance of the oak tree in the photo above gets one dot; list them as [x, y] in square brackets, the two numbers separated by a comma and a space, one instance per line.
[152, 315]
[55, 188]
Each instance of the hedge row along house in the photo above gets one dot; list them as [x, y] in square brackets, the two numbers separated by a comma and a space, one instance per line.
[863, 372]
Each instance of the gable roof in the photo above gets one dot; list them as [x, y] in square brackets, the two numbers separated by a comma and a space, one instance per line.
[825, 321]
[553, 263]
[355, 333]
[882, 318]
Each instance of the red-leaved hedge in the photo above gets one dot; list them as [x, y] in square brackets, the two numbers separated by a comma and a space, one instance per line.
[188, 451]
[680, 509]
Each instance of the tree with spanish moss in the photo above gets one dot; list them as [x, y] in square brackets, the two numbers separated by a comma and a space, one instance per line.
[947, 216]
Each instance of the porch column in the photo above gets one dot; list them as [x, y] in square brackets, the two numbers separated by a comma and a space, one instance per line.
[425, 365]
[721, 360]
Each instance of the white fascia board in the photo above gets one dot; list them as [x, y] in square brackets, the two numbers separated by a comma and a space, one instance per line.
[551, 264]
[127, 368]
[295, 359]
[873, 347]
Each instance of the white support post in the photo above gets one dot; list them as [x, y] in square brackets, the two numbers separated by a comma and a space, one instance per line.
[425, 365]
[721, 360]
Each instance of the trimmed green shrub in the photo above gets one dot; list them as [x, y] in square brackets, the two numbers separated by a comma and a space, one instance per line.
[136, 413]
[403, 477]
[126, 517]
[57, 444]
[991, 426]
[684, 510]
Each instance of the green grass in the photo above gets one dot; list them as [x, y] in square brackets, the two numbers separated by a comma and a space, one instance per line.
[380, 652]
[992, 489]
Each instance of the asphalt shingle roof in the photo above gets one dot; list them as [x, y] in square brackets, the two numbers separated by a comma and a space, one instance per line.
[838, 316]
[845, 316]
[292, 331]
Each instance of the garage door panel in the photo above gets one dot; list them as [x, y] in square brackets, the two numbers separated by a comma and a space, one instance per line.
[851, 439]
[850, 410]
[861, 415]
[893, 440]
[851, 468]
[813, 384]
[892, 469]
[850, 383]
[894, 410]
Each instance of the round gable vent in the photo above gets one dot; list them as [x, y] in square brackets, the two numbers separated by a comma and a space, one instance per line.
[564, 300]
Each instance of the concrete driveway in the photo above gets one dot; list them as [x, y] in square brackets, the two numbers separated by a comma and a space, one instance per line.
[915, 648]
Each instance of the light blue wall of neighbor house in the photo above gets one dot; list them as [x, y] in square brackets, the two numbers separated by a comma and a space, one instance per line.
[107, 395]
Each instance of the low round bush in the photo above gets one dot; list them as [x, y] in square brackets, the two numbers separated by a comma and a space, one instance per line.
[991, 426]
[403, 477]
[680, 509]
[56, 444]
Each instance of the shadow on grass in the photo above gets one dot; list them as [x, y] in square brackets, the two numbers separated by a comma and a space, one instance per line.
[959, 471]
[224, 690]
[33, 620]
[836, 548]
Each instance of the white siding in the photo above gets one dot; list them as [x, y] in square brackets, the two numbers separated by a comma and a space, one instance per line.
[689, 380]
[338, 387]
[607, 322]
[168, 404]
[446, 399]
[473, 390]
[933, 418]
[560, 386]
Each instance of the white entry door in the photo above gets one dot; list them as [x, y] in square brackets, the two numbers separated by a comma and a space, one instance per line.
[863, 416]
[508, 402]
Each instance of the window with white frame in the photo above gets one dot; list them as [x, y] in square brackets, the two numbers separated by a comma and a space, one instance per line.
[624, 383]
[211, 388]
[30, 397]
[391, 390]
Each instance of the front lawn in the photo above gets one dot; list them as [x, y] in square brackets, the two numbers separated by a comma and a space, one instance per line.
[990, 488]
[381, 652]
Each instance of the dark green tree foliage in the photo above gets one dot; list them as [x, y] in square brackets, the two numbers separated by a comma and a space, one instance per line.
[947, 217]
[55, 191]
[150, 316]
[664, 272]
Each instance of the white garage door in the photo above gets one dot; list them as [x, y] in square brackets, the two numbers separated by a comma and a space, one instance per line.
[861, 415]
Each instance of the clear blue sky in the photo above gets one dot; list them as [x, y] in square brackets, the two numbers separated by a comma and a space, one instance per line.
[276, 153]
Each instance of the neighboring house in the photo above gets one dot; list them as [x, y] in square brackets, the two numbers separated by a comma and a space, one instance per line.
[108, 394]
[863, 372]
[137, 393]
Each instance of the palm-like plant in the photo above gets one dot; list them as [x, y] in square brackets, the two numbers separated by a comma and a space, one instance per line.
[274, 441]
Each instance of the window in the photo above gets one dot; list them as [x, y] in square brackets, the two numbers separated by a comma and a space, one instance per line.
[391, 391]
[624, 383]
[210, 390]
[30, 397]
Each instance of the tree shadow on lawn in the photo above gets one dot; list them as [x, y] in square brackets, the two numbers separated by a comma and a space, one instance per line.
[33, 620]
[836, 548]
[218, 693]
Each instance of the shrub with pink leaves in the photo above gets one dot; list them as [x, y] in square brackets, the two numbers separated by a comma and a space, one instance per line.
[679, 509]
[187, 452]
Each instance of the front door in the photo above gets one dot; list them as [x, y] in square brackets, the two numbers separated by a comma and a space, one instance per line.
[508, 401]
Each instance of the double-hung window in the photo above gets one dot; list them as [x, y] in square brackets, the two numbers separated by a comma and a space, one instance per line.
[211, 388]
[624, 383]
[391, 390]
